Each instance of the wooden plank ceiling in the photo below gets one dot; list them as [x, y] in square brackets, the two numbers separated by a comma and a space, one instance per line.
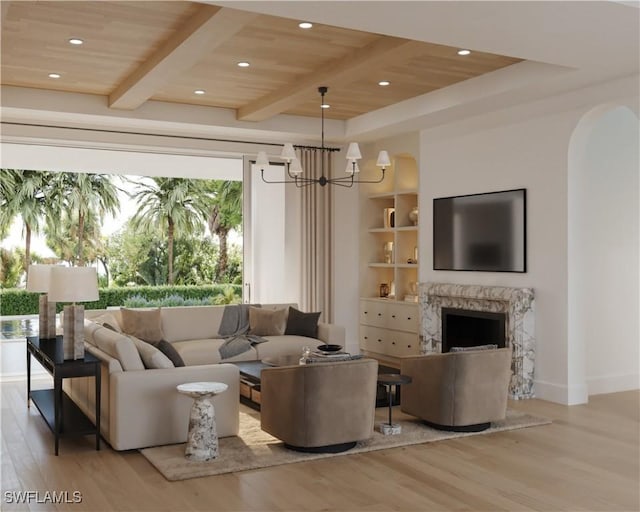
[136, 51]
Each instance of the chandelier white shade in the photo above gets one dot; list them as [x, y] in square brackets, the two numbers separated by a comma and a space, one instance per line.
[295, 171]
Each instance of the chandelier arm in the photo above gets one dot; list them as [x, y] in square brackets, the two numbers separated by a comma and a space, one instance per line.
[268, 181]
[371, 181]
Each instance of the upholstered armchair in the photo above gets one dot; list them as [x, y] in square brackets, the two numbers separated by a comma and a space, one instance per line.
[319, 407]
[460, 391]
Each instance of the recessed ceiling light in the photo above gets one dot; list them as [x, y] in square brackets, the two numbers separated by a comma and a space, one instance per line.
[76, 41]
[243, 64]
[305, 24]
[464, 52]
[383, 83]
[54, 75]
[199, 91]
[325, 105]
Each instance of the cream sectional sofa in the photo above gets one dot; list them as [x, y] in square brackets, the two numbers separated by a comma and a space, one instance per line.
[141, 407]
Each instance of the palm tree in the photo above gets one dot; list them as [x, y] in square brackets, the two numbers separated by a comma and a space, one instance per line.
[225, 215]
[25, 194]
[83, 195]
[171, 206]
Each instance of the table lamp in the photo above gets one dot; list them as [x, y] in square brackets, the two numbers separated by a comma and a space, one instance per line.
[38, 281]
[73, 284]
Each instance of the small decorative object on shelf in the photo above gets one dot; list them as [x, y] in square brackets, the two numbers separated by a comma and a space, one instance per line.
[388, 252]
[413, 215]
[392, 290]
[389, 219]
[384, 290]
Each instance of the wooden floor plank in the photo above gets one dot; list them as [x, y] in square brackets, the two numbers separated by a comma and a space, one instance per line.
[587, 459]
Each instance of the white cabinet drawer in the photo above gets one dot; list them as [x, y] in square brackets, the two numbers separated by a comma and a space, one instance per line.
[403, 317]
[389, 342]
[373, 313]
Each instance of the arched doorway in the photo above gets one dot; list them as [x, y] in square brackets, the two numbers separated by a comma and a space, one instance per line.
[603, 260]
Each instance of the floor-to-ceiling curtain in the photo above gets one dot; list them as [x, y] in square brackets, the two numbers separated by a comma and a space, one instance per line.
[317, 274]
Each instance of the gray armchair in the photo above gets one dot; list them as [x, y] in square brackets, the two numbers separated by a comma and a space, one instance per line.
[320, 407]
[460, 391]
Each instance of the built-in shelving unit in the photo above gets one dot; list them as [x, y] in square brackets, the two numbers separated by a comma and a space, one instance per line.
[389, 325]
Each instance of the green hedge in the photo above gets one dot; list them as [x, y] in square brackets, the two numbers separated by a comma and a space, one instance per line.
[21, 302]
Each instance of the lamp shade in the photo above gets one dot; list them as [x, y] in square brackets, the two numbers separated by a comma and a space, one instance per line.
[296, 167]
[288, 153]
[353, 152]
[73, 284]
[262, 160]
[38, 278]
[383, 159]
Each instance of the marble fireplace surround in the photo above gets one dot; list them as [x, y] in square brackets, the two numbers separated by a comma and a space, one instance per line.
[517, 303]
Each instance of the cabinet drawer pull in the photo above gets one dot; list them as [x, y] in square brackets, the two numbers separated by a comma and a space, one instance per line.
[379, 340]
[393, 342]
[408, 318]
[365, 312]
[408, 346]
[393, 316]
[366, 337]
[379, 314]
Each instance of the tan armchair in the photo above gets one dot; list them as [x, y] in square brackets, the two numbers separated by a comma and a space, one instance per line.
[460, 391]
[320, 407]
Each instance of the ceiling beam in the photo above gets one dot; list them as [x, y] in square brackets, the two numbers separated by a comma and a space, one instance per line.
[339, 72]
[206, 30]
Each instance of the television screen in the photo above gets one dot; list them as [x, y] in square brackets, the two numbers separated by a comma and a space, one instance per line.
[480, 232]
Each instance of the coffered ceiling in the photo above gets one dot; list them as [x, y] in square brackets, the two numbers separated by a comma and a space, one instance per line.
[139, 51]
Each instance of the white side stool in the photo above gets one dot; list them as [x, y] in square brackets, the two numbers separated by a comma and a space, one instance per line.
[202, 443]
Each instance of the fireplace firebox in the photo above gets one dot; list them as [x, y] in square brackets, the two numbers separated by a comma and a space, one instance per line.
[468, 328]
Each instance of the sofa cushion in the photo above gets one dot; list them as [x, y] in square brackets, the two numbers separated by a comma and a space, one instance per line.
[114, 344]
[302, 324]
[264, 322]
[206, 351]
[143, 324]
[191, 322]
[151, 356]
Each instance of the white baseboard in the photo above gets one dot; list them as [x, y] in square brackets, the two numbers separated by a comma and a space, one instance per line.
[613, 383]
[560, 393]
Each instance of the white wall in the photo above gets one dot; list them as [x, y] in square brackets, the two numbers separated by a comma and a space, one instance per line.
[604, 331]
[523, 147]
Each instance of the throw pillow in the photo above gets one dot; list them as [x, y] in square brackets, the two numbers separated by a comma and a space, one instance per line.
[143, 324]
[169, 350]
[302, 324]
[107, 320]
[152, 358]
[469, 349]
[267, 322]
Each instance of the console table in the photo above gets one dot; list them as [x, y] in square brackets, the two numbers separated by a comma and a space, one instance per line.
[61, 414]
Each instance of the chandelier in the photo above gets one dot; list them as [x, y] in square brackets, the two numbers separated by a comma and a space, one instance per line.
[294, 167]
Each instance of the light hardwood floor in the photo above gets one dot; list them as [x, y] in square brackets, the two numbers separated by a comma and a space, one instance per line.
[587, 459]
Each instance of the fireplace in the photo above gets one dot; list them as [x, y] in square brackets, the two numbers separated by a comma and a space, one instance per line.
[469, 328]
[516, 305]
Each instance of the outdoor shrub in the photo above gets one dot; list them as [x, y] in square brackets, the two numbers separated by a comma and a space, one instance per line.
[21, 302]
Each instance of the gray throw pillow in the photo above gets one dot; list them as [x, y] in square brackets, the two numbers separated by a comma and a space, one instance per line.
[168, 350]
[302, 324]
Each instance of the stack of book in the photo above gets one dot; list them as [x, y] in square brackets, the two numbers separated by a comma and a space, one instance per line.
[317, 356]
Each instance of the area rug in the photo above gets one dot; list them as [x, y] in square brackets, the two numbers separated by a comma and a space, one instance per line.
[254, 449]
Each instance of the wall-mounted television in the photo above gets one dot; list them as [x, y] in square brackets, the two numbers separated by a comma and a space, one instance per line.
[481, 232]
